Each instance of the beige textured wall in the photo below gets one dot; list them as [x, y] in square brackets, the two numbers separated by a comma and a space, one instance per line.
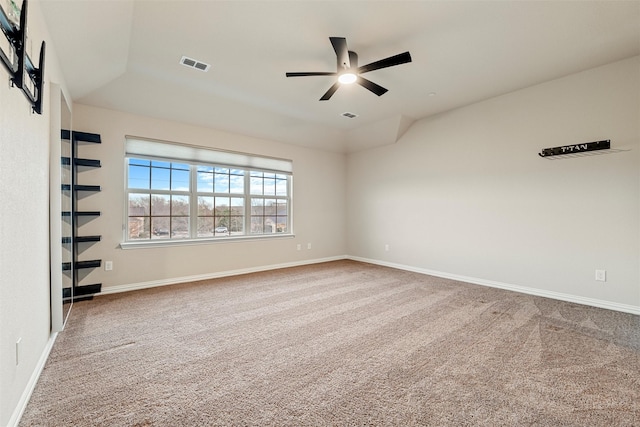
[465, 193]
[24, 228]
[318, 204]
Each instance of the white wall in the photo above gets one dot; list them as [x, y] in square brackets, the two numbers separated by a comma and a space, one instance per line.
[24, 230]
[465, 194]
[318, 205]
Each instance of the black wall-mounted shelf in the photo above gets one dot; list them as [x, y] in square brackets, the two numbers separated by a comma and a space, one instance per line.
[81, 239]
[81, 213]
[85, 239]
[92, 188]
[86, 137]
[86, 292]
[22, 71]
[89, 163]
[92, 263]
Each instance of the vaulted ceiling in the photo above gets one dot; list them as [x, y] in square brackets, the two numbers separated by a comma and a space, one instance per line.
[125, 54]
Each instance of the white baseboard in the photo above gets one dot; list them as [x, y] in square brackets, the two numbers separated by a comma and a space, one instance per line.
[473, 280]
[31, 385]
[632, 309]
[173, 281]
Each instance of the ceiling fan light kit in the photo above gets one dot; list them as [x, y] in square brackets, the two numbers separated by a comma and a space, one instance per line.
[348, 71]
[347, 78]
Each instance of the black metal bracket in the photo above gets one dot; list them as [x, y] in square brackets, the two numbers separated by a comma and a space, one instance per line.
[23, 74]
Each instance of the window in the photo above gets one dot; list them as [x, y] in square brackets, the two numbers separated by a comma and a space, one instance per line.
[191, 196]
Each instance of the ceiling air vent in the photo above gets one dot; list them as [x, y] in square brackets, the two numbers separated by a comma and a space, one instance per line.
[193, 63]
[349, 115]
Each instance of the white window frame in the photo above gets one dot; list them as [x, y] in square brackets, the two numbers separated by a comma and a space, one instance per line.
[194, 156]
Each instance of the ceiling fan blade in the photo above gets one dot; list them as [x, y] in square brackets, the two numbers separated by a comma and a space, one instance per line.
[373, 87]
[303, 74]
[330, 92]
[342, 53]
[398, 59]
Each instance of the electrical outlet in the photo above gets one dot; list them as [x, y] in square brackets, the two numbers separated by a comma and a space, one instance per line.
[308, 245]
[386, 248]
[601, 275]
[108, 265]
[299, 246]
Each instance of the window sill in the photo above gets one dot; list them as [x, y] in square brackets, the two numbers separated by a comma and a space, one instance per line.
[193, 242]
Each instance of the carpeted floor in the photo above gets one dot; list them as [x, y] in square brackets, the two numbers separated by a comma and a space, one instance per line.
[339, 344]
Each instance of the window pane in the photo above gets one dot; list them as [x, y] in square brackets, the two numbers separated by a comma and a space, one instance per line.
[256, 225]
[257, 207]
[139, 204]
[179, 227]
[222, 226]
[282, 226]
[180, 180]
[222, 205]
[180, 205]
[237, 205]
[142, 162]
[205, 182]
[269, 187]
[205, 206]
[236, 224]
[221, 183]
[256, 185]
[270, 207]
[203, 168]
[282, 207]
[181, 166]
[205, 226]
[160, 178]
[160, 164]
[236, 184]
[138, 176]
[160, 205]
[269, 226]
[160, 227]
[139, 228]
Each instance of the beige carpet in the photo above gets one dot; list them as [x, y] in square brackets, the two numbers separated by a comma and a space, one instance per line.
[339, 344]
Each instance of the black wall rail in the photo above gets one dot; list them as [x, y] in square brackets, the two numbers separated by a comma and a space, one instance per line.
[23, 73]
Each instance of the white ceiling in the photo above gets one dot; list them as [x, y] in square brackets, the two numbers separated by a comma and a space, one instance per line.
[124, 55]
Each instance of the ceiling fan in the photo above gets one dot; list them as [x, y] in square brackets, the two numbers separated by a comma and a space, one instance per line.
[348, 70]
